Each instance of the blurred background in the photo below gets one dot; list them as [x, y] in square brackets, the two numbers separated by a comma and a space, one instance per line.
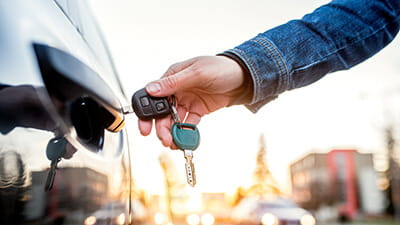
[328, 151]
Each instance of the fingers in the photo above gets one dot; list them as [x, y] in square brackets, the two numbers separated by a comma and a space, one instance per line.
[163, 131]
[175, 68]
[179, 79]
[145, 127]
[69, 151]
[163, 128]
[168, 85]
[193, 118]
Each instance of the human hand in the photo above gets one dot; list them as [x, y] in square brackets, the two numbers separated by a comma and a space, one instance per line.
[201, 85]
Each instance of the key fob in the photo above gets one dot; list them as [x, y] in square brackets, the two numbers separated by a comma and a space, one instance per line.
[148, 107]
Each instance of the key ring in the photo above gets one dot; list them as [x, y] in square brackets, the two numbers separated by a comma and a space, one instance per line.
[174, 112]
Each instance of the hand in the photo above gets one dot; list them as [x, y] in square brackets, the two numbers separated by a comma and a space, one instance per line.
[201, 85]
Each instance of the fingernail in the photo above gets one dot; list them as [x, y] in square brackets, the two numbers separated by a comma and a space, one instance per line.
[153, 88]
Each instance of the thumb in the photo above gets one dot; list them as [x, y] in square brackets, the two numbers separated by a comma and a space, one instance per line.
[169, 85]
[176, 78]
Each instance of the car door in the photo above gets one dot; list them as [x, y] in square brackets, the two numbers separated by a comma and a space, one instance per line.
[57, 82]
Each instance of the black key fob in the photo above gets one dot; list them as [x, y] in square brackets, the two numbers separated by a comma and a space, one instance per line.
[148, 107]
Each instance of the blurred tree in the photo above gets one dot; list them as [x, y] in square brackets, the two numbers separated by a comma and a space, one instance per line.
[167, 168]
[392, 173]
[142, 196]
[239, 194]
[174, 185]
[265, 186]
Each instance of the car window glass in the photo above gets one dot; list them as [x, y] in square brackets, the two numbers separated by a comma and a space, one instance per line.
[87, 126]
[81, 17]
[62, 4]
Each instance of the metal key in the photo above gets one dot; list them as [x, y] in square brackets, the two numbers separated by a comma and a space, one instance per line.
[187, 138]
[51, 175]
[54, 151]
[189, 166]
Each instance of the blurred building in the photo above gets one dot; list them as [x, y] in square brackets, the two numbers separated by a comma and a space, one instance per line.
[67, 191]
[213, 202]
[394, 182]
[341, 179]
[217, 204]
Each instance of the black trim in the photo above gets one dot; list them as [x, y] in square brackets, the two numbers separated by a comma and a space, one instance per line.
[68, 78]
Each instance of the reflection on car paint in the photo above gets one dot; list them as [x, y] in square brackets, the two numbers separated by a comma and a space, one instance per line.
[25, 132]
[87, 180]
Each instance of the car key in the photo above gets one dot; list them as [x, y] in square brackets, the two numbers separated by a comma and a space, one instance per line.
[189, 167]
[54, 151]
[148, 107]
[187, 138]
[51, 175]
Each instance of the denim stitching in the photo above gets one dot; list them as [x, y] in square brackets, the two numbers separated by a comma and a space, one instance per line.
[253, 70]
[281, 63]
[276, 62]
[283, 75]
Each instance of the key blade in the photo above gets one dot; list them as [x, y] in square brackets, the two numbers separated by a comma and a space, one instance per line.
[51, 175]
[189, 166]
[50, 179]
[190, 173]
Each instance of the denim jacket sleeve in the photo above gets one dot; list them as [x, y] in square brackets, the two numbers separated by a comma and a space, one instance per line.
[336, 36]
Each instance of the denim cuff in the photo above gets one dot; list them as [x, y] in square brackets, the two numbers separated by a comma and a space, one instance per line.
[267, 69]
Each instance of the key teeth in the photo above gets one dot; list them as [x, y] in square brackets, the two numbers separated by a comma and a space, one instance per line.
[190, 174]
[193, 183]
[50, 180]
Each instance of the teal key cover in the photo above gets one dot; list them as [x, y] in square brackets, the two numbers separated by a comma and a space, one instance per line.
[186, 136]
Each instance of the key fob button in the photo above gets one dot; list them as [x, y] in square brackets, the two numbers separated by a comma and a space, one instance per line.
[160, 106]
[147, 110]
[145, 101]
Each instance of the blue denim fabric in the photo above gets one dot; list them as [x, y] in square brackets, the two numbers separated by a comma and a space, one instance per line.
[334, 37]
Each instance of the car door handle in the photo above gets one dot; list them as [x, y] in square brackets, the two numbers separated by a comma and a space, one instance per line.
[68, 79]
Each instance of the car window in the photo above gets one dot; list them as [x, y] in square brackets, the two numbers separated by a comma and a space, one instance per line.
[84, 116]
[78, 12]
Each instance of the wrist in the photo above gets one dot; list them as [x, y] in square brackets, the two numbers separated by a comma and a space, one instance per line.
[244, 93]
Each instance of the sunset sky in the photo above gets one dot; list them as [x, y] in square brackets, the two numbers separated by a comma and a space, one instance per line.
[343, 110]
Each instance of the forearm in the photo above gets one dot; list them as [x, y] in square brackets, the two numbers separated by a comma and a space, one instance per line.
[334, 37]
